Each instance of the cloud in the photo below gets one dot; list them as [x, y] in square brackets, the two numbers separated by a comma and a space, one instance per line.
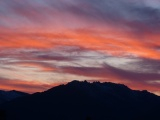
[117, 44]
[42, 66]
[108, 71]
[67, 37]
[133, 15]
[25, 86]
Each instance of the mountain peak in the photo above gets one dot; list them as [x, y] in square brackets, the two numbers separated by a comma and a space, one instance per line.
[98, 89]
[79, 99]
[98, 84]
[77, 82]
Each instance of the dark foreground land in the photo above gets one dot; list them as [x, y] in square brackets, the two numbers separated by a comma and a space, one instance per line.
[84, 101]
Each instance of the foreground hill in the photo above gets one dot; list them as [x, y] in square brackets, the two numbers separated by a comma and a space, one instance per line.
[83, 100]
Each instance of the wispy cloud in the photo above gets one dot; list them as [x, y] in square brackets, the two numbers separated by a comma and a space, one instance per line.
[25, 86]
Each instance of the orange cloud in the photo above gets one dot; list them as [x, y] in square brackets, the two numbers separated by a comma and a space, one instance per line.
[40, 65]
[116, 43]
[154, 88]
[25, 86]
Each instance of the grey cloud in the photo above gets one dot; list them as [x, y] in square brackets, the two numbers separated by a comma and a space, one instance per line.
[136, 15]
[108, 71]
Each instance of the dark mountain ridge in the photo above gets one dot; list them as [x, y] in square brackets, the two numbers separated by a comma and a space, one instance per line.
[80, 100]
[6, 96]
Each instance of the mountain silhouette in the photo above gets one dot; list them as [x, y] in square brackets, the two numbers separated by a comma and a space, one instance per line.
[85, 101]
[6, 96]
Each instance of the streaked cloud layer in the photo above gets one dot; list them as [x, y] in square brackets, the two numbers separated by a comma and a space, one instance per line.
[55, 41]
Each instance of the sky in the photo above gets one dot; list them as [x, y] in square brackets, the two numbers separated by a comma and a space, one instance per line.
[44, 43]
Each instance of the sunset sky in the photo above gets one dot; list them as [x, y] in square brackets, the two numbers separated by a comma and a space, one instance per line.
[44, 43]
